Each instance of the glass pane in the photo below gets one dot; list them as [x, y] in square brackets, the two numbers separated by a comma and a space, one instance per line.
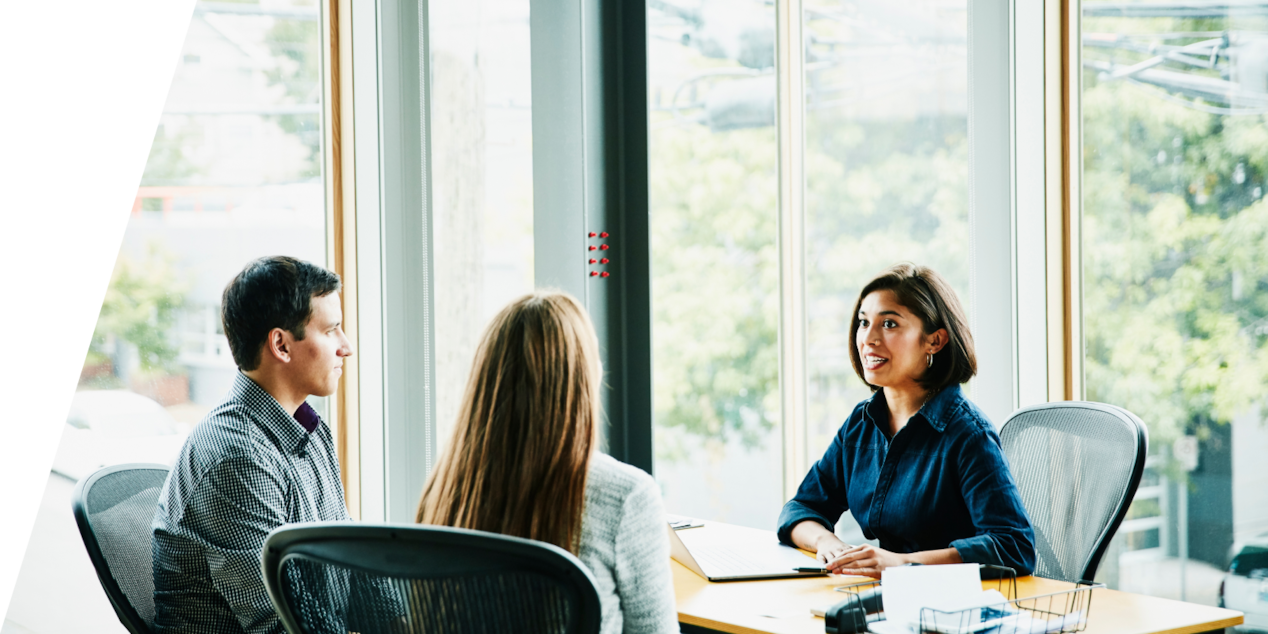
[715, 269]
[234, 173]
[887, 171]
[482, 177]
[1174, 97]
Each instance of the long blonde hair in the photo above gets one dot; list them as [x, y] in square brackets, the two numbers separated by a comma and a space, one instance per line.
[520, 451]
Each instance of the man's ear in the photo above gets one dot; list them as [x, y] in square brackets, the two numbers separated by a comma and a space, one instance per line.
[278, 345]
[937, 340]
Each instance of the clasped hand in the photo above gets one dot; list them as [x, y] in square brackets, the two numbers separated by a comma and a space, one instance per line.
[865, 560]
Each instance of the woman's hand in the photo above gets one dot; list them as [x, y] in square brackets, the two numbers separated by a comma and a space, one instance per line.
[829, 547]
[864, 560]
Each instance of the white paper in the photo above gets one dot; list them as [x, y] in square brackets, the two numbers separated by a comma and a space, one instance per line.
[907, 589]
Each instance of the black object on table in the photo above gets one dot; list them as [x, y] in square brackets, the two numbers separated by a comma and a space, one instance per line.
[852, 615]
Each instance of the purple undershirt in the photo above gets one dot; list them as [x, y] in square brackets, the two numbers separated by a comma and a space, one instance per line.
[307, 417]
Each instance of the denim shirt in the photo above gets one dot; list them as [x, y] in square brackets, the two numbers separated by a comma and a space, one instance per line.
[941, 481]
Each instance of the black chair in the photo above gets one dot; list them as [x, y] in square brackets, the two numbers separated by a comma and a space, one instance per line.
[114, 508]
[371, 578]
[1077, 466]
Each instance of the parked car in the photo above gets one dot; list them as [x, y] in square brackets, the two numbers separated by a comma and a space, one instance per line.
[109, 427]
[1245, 586]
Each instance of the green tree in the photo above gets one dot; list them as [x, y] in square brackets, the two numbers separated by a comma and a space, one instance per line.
[141, 308]
[1174, 230]
[715, 279]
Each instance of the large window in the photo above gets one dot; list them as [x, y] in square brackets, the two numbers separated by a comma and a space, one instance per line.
[886, 165]
[715, 272]
[1175, 274]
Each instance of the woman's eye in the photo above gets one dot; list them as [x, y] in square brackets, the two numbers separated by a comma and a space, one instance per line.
[889, 323]
[862, 323]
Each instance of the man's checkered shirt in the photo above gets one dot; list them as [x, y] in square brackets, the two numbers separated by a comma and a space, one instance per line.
[246, 469]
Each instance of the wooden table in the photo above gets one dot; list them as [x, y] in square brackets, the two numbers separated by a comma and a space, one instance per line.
[782, 606]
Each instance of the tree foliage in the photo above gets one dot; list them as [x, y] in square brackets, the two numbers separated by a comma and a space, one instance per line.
[715, 281]
[141, 308]
[1175, 265]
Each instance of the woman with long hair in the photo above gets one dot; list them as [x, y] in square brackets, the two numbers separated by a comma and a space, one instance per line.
[524, 461]
[918, 465]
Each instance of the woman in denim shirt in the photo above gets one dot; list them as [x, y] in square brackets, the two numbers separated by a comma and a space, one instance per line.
[917, 463]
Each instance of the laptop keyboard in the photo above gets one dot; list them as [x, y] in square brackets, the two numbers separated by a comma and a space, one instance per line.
[721, 561]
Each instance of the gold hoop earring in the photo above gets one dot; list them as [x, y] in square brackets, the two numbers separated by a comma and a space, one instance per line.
[930, 356]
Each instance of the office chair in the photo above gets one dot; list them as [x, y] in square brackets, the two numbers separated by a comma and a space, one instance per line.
[1077, 466]
[343, 576]
[114, 508]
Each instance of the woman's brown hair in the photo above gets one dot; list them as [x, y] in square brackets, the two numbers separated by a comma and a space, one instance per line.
[931, 299]
[520, 451]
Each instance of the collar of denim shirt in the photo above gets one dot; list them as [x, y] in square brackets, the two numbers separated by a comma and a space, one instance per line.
[938, 410]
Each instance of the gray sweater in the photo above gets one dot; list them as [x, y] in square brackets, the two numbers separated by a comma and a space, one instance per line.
[625, 545]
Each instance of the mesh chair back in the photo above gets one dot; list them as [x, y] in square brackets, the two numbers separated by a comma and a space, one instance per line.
[1077, 466]
[341, 577]
[114, 508]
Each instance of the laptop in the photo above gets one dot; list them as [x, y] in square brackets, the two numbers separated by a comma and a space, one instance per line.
[730, 557]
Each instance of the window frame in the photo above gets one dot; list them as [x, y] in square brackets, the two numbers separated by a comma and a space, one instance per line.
[1065, 221]
[381, 244]
[590, 174]
[341, 233]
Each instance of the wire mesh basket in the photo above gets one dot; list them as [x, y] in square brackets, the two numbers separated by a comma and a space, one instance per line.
[1065, 611]
[863, 604]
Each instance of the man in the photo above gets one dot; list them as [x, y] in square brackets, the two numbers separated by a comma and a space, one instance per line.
[260, 459]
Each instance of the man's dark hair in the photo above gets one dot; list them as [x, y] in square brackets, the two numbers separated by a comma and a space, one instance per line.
[271, 292]
[930, 298]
